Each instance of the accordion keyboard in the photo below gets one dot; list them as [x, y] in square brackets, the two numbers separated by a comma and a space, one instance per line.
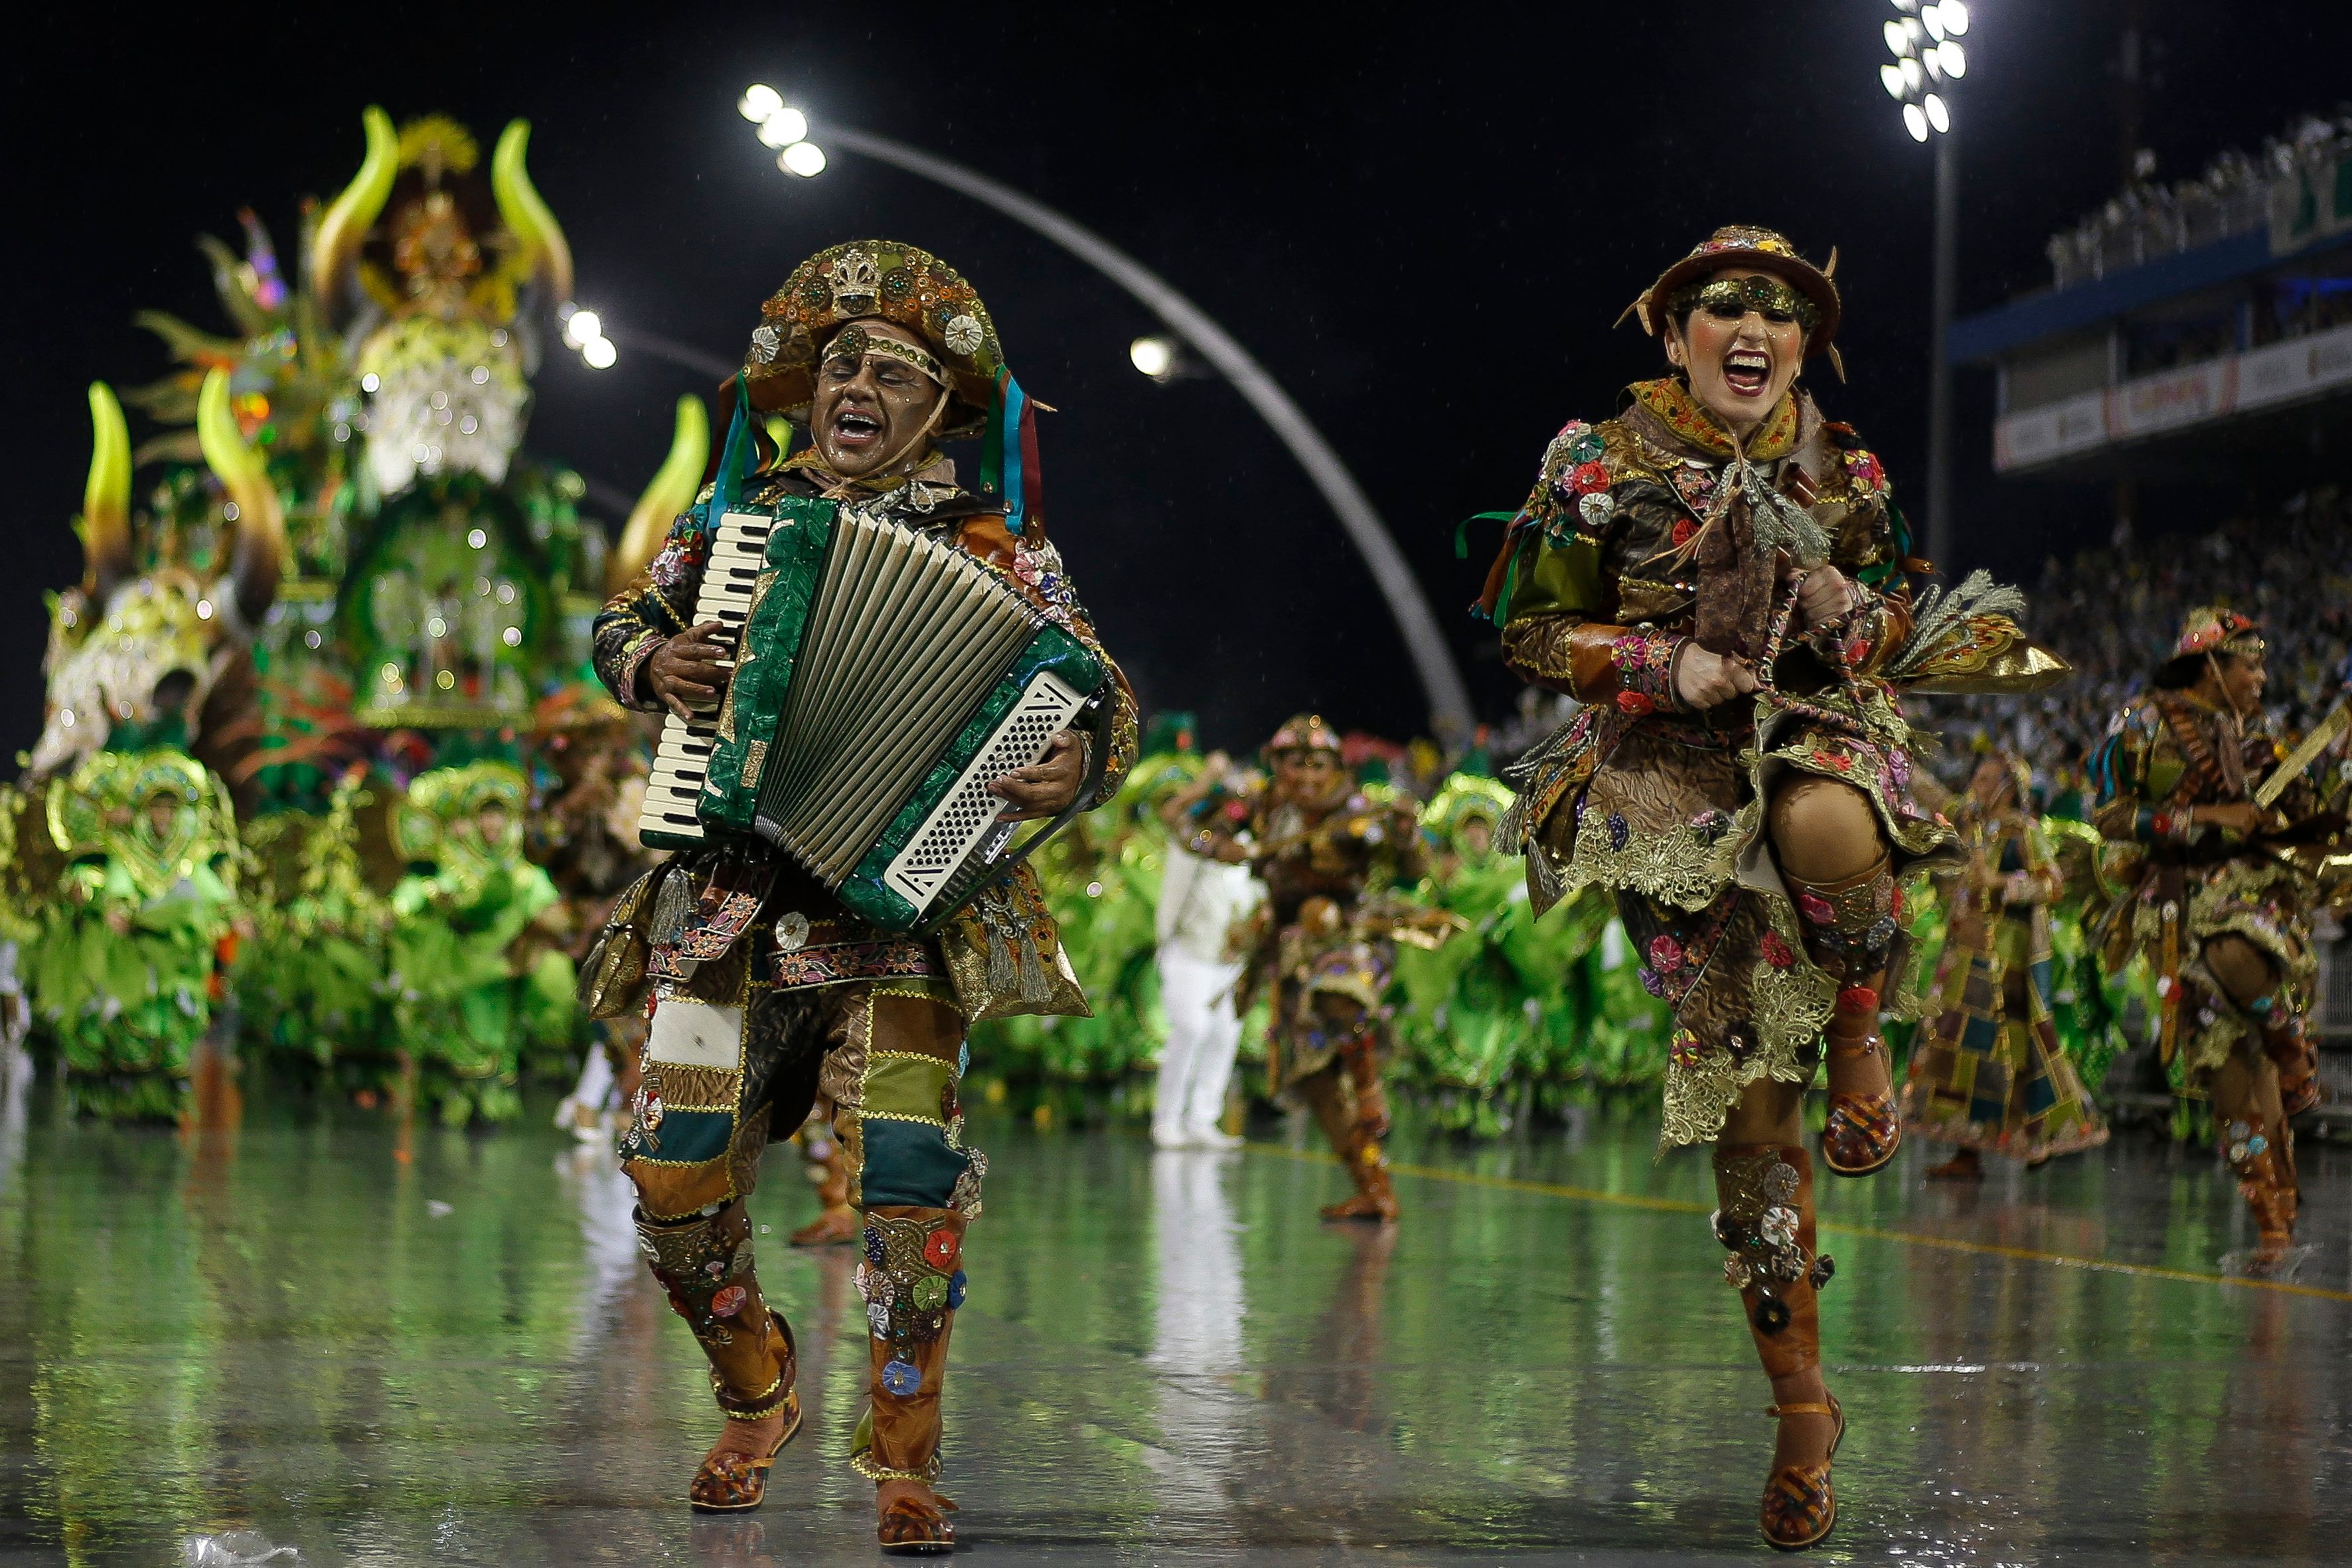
[738, 551]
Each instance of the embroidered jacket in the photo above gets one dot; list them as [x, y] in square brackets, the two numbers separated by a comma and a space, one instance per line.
[1629, 548]
[2172, 752]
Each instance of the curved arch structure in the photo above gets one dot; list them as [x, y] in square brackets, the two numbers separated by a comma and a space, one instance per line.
[1450, 714]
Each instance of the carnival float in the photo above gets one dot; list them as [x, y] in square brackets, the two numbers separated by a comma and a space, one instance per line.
[323, 691]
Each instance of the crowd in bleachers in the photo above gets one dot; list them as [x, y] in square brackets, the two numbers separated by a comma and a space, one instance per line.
[2149, 218]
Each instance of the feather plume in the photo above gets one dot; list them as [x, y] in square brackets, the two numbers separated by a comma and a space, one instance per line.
[1939, 614]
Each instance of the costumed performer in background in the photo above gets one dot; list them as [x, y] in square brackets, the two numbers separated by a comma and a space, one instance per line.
[1718, 574]
[880, 350]
[1990, 1074]
[1201, 901]
[2220, 919]
[1321, 948]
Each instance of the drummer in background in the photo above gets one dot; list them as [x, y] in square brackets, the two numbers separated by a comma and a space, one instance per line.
[880, 353]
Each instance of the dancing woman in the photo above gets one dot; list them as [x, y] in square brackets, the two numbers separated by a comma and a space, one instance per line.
[1990, 1075]
[1717, 574]
[2223, 922]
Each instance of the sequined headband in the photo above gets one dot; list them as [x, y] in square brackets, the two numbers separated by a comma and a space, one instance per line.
[1734, 297]
[855, 343]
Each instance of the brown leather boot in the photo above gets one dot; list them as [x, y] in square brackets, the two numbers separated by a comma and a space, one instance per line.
[913, 1282]
[705, 1264]
[2266, 1180]
[2287, 1040]
[1368, 1167]
[1765, 1218]
[838, 1224]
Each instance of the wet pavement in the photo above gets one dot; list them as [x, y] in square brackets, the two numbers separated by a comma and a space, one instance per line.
[441, 1349]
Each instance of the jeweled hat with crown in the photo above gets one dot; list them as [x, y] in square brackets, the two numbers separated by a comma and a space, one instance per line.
[865, 280]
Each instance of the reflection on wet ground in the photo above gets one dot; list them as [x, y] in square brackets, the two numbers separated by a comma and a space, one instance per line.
[441, 1349]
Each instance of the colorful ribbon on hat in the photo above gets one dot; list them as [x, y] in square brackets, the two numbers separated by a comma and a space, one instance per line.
[736, 458]
[1008, 454]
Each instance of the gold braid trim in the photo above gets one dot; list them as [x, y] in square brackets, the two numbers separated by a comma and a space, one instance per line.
[878, 1474]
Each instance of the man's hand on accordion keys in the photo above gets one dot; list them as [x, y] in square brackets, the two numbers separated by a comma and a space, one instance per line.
[1047, 786]
[687, 672]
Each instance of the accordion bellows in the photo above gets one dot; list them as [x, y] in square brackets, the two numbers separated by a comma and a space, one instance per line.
[882, 680]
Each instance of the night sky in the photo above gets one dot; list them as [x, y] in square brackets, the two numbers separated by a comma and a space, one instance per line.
[1422, 222]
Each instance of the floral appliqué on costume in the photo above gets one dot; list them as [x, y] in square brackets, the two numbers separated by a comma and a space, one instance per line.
[1039, 568]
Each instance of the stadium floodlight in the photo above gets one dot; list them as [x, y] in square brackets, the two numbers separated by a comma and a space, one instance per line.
[784, 127]
[759, 102]
[1955, 16]
[1955, 58]
[1915, 119]
[1898, 42]
[1891, 77]
[1938, 115]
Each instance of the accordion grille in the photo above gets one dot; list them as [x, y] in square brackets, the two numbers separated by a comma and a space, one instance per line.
[904, 636]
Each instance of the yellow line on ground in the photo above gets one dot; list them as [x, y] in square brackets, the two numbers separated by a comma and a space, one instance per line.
[1831, 1228]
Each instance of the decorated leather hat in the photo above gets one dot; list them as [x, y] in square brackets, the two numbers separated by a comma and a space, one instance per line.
[2209, 629]
[873, 280]
[1738, 246]
[1304, 732]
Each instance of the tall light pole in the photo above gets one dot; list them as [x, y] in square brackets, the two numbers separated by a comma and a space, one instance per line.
[1925, 40]
[1450, 715]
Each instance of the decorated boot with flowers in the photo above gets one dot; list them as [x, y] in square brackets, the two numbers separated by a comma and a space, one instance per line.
[913, 1281]
[705, 1263]
[1764, 1218]
[2266, 1179]
[2287, 1040]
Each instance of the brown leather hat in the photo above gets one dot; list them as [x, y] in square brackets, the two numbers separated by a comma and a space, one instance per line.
[1737, 245]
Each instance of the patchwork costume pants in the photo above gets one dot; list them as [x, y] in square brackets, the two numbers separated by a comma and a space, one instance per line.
[719, 1084]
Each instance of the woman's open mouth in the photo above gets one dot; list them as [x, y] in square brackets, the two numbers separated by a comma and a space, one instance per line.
[856, 428]
[1747, 373]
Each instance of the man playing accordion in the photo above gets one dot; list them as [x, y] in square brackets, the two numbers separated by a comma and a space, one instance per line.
[879, 353]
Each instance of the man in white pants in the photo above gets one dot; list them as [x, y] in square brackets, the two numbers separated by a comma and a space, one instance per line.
[1199, 900]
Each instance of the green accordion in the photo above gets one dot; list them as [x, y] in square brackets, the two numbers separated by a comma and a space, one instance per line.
[882, 680]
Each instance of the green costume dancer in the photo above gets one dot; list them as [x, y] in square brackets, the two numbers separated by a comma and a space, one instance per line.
[1466, 1022]
[311, 985]
[473, 991]
[122, 968]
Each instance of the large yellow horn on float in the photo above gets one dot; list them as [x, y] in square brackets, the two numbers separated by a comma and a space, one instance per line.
[349, 217]
[105, 525]
[527, 216]
[261, 553]
[672, 492]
